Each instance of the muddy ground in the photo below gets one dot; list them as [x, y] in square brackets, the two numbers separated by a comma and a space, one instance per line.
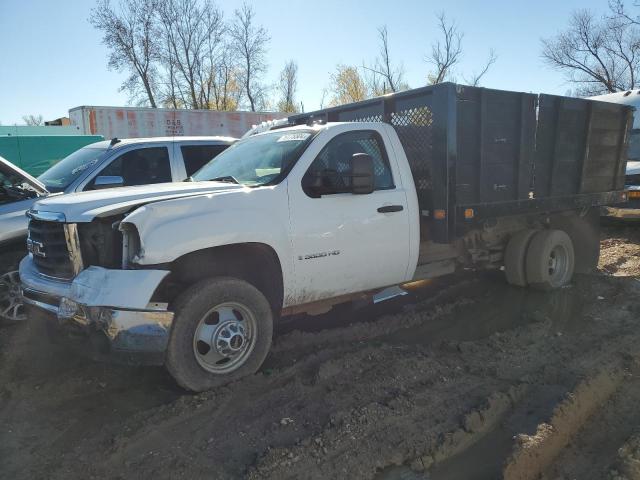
[466, 378]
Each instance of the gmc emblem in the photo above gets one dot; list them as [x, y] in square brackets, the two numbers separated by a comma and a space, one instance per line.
[35, 248]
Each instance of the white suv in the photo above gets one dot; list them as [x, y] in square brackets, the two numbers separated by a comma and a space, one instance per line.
[114, 163]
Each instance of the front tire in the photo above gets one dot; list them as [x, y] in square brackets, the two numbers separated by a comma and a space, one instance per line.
[221, 332]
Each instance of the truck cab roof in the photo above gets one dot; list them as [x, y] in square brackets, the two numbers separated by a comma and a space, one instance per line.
[121, 142]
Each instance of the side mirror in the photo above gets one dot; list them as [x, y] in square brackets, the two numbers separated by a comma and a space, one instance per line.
[107, 181]
[362, 176]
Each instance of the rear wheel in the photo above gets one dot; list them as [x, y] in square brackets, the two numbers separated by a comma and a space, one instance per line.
[584, 232]
[221, 332]
[550, 260]
[11, 306]
[515, 257]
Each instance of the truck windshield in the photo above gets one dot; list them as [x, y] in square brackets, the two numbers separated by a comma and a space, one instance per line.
[634, 145]
[63, 173]
[257, 160]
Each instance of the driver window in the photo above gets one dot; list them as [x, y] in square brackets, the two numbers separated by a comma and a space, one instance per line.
[333, 163]
[140, 167]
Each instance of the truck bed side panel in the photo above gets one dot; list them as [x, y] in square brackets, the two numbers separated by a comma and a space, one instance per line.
[475, 150]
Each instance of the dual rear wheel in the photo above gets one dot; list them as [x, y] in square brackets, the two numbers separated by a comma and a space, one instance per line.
[543, 259]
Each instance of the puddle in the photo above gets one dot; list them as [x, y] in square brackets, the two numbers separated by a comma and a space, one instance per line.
[497, 308]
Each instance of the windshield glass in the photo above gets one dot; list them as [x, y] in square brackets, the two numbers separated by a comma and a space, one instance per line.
[633, 153]
[63, 173]
[257, 160]
[14, 188]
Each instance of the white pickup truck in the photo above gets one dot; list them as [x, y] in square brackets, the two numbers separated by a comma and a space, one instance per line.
[340, 204]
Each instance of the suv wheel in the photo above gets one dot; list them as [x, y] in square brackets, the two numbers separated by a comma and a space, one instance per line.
[11, 306]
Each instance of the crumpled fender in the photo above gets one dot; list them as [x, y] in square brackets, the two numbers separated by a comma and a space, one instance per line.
[172, 228]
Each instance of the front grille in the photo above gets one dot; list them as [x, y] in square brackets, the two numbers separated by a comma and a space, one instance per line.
[51, 254]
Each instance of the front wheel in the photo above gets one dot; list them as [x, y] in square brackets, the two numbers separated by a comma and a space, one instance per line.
[221, 332]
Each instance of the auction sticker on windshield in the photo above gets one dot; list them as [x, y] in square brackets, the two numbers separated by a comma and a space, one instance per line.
[294, 137]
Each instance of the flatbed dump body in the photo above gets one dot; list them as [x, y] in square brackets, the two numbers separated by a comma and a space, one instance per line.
[478, 153]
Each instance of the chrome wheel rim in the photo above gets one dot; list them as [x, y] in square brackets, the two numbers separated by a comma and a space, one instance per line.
[558, 263]
[224, 337]
[11, 306]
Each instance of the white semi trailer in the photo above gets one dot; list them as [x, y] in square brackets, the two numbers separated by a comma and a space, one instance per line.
[130, 122]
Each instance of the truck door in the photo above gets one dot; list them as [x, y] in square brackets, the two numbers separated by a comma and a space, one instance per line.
[343, 242]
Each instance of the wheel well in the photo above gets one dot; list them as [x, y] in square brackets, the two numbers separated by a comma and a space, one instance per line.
[15, 245]
[583, 229]
[11, 252]
[255, 263]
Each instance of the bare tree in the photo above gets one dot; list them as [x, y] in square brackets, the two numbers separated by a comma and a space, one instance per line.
[598, 55]
[193, 34]
[33, 120]
[130, 35]
[287, 86]
[171, 92]
[384, 76]
[323, 97]
[249, 41]
[625, 35]
[347, 86]
[445, 53]
[227, 87]
[475, 78]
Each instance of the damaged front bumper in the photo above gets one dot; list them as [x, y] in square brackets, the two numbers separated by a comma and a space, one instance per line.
[110, 309]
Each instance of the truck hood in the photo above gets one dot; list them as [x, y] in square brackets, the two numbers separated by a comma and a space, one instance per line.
[85, 206]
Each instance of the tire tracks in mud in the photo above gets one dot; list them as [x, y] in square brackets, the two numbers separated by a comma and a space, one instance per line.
[419, 391]
[426, 443]
[534, 454]
[606, 444]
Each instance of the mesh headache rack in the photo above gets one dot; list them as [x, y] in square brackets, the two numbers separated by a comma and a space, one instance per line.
[495, 152]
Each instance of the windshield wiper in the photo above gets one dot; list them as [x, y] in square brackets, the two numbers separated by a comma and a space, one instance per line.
[225, 178]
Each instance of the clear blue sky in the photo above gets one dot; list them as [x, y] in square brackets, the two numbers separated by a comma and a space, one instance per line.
[53, 59]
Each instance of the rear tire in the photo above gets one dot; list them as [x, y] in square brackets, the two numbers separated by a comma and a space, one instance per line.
[584, 232]
[550, 260]
[221, 332]
[515, 257]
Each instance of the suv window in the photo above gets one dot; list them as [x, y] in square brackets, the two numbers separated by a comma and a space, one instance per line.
[141, 166]
[333, 163]
[197, 156]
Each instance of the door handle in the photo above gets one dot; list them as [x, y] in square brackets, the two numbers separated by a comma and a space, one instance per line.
[390, 208]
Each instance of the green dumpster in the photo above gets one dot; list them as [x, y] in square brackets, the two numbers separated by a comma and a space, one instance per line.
[37, 153]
